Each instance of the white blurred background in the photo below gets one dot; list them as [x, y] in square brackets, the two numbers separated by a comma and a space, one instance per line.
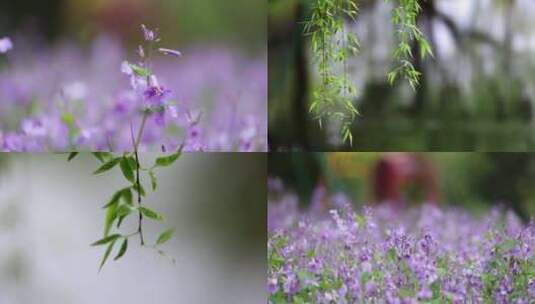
[50, 211]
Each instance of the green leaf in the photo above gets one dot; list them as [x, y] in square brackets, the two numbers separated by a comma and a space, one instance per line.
[151, 214]
[167, 160]
[72, 156]
[107, 254]
[111, 215]
[139, 188]
[123, 249]
[132, 162]
[124, 210]
[102, 156]
[108, 165]
[165, 236]
[127, 169]
[106, 240]
[127, 196]
[68, 119]
[140, 71]
[153, 180]
[115, 198]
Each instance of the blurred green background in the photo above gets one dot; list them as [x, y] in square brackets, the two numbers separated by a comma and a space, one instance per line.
[472, 180]
[238, 23]
[476, 94]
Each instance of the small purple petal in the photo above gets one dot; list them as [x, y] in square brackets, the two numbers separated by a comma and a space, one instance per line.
[170, 52]
[5, 45]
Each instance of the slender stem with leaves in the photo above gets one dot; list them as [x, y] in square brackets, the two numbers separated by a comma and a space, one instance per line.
[121, 204]
[404, 18]
[332, 44]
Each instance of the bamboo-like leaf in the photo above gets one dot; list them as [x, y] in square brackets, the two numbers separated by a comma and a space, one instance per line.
[111, 215]
[151, 214]
[127, 169]
[72, 155]
[106, 254]
[108, 165]
[124, 210]
[165, 236]
[106, 240]
[167, 160]
[115, 198]
[102, 156]
[139, 188]
[127, 196]
[153, 180]
[123, 249]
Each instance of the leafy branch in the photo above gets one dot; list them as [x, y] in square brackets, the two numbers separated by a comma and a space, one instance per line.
[404, 18]
[121, 204]
[332, 44]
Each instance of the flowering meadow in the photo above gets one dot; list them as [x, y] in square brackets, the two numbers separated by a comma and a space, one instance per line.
[103, 97]
[426, 254]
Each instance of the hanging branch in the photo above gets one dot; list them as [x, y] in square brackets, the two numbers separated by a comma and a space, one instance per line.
[404, 18]
[332, 44]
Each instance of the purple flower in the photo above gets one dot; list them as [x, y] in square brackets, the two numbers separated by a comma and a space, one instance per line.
[156, 95]
[314, 266]
[174, 53]
[5, 45]
[149, 35]
[273, 285]
[291, 285]
[33, 127]
[425, 293]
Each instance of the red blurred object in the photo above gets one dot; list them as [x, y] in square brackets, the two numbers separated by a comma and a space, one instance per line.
[124, 17]
[396, 171]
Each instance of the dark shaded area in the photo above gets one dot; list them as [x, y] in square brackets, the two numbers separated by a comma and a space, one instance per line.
[43, 15]
[237, 203]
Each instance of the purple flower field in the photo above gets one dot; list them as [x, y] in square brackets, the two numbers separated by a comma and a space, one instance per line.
[379, 255]
[68, 98]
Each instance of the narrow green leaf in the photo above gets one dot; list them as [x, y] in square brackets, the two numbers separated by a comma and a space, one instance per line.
[107, 254]
[151, 214]
[115, 198]
[132, 162]
[165, 236]
[127, 196]
[167, 160]
[123, 249]
[141, 190]
[111, 215]
[124, 210]
[72, 156]
[120, 221]
[127, 169]
[153, 180]
[102, 156]
[106, 240]
[140, 71]
[108, 165]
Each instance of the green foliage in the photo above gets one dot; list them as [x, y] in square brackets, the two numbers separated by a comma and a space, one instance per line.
[404, 18]
[165, 236]
[121, 204]
[332, 44]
